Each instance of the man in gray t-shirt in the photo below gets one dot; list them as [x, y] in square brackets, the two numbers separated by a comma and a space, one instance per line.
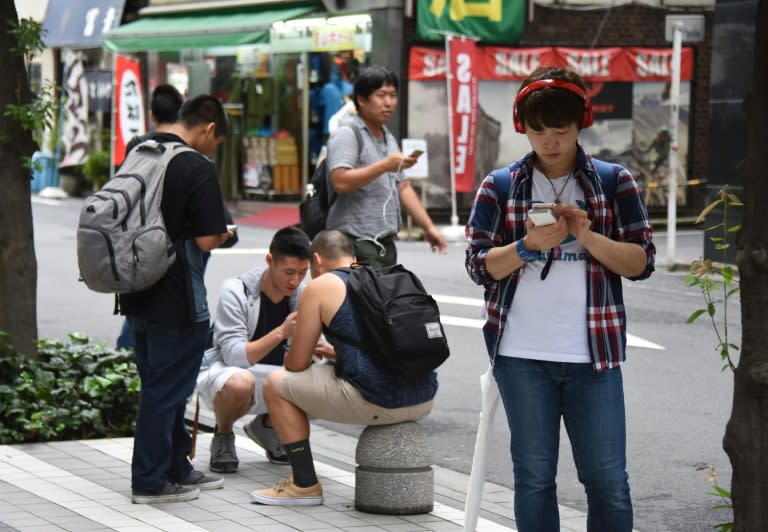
[369, 179]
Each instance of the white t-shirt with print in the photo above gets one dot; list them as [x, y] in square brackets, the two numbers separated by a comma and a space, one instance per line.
[548, 318]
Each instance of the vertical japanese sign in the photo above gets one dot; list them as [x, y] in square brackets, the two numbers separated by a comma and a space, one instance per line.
[74, 134]
[499, 21]
[129, 106]
[462, 109]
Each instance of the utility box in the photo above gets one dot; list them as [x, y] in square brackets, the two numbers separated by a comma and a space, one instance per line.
[43, 171]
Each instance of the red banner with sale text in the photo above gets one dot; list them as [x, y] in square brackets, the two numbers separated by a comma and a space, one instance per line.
[598, 64]
[462, 89]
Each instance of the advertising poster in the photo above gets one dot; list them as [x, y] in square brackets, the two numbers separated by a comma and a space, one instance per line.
[129, 118]
[629, 88]
[74, 131]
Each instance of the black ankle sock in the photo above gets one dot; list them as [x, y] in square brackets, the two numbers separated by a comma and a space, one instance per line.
[300, 456]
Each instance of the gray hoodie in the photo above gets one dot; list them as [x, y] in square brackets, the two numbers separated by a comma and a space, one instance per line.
[236, 317]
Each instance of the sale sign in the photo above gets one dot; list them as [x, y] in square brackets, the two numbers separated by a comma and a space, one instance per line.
[462, 102]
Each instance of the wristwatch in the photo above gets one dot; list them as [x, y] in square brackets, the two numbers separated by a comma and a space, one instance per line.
[525, 255]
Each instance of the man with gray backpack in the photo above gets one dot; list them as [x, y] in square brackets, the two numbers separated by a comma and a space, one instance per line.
[164, 296]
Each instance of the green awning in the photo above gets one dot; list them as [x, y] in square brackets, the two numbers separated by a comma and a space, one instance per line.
[199, 30]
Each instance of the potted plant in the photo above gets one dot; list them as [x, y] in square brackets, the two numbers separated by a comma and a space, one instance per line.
[96, 168]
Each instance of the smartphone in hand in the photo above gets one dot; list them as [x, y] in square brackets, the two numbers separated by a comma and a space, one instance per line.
[231, 227]
[542, 214]
[416, 154]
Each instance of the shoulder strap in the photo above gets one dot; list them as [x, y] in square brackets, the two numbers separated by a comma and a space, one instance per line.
[503, 181]
[607, 178]
[359, 138]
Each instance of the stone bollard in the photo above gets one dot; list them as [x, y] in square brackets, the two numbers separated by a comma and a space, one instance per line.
[394, 474]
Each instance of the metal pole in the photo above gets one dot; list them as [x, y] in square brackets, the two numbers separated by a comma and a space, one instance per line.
[304, 120]
[674, 100]
[451, 162]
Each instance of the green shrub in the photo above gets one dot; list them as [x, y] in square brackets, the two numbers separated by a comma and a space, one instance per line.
[96, 168]
[75, 390]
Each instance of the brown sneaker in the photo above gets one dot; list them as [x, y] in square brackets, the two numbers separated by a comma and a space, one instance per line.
[286, 493]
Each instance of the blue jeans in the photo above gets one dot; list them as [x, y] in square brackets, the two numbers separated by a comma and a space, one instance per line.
[536, 394]
[125, 340]
[168, 360]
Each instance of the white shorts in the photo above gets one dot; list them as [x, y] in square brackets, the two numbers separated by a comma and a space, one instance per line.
[211, 380]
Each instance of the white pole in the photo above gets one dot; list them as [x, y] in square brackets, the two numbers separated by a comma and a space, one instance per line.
[674, 100]
[113, 106]
[451, 162]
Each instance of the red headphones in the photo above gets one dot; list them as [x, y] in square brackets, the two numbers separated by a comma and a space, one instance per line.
[558, 84]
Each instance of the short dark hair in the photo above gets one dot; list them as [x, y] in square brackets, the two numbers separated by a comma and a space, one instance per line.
[165, 104]
[551, 106]
[204, 109]
[290, 242]
[332, 244]
[371, 79]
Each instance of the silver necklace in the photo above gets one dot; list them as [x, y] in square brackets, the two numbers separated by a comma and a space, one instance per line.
[558, 194]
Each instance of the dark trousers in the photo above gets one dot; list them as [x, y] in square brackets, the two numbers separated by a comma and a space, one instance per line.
[168, 360]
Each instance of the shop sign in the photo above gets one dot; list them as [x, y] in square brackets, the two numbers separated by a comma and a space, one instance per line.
[463, 110]
[74, 131]
[129, 106]
[486, 20]
[597, 64]
[99, 90]
[80, 23]
[332, 38]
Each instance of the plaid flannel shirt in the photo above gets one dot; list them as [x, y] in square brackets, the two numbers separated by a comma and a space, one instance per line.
[492, 224]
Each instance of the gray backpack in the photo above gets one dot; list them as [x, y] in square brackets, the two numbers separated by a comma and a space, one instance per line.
[122, 243]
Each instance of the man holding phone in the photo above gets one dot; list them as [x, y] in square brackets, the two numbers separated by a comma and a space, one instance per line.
[254, 322]
[550, 238]
[371, 187]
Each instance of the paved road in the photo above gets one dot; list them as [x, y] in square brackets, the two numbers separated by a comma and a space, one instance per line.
[677, 398]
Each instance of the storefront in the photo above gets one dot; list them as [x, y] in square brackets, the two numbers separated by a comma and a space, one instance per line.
[278, 69]
[629, 89]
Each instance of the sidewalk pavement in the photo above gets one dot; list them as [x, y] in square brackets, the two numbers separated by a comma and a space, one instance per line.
[85, 486]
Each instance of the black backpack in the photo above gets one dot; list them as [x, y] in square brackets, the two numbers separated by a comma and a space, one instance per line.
[313, 211]
[401, 329]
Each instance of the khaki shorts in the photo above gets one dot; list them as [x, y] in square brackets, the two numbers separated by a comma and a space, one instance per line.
[210, 381]
[321, 395]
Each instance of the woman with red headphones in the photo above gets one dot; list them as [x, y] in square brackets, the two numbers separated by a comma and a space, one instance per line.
[550, 237]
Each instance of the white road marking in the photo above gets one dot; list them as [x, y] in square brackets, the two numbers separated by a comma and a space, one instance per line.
[457, 321]
[632, 340]
[241, 251]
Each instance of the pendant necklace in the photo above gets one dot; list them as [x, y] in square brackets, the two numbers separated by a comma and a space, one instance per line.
[548, 265]
[558, 194]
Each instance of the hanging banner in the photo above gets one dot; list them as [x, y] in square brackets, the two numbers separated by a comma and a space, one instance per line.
[653, 64]
[426, 64]
[487, 20]
[462, 91]
[495, 62]
[598, 64]
[74, 131]
[129, 106]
